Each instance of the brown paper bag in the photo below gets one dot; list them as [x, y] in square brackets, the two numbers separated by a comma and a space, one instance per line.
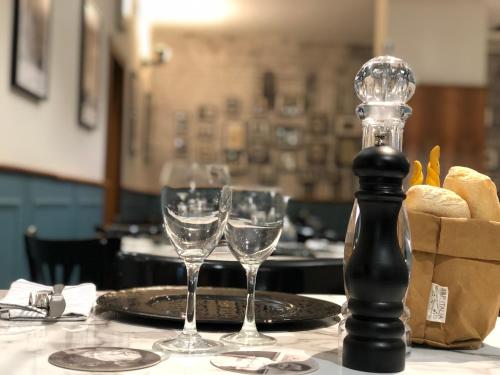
[454, 294]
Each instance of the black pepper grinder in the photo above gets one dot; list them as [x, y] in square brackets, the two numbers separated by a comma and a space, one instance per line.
[376, 274]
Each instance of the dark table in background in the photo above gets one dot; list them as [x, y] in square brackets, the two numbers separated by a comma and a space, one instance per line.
[284, 274]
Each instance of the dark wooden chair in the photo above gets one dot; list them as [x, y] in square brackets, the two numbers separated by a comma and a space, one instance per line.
[72, 261]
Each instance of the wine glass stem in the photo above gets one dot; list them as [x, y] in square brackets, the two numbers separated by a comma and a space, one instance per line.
[249, 323]
[193, 269]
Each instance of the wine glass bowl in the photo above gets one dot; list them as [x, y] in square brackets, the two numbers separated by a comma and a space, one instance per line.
[252, 232]
[195, 205]
[195, 219]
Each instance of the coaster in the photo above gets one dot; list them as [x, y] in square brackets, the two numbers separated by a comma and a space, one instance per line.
[104, 359]
[266, 362]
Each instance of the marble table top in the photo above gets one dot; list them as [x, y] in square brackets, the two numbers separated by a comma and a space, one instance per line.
[25, 347]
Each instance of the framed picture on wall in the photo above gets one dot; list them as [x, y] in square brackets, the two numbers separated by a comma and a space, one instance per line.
[131, 113]
[205, 153]
[236, 161]
[317, 154]
[291, 105]
[348, 126]
[180, 147]
[267, 175]
[90, 65]
[30, 57]
[235, 135]
[318, 124]
[287, 137]
[491, 158]
[148, 123]
[346, 150]
[181, 120]
[207, 113]
[206, 130]
[288, 162]
[233, 107]
[258, 129]
[258, 153]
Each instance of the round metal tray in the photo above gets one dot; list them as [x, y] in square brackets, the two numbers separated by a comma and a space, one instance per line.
[216, 305]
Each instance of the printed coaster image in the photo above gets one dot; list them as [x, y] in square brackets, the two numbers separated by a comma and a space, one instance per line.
[104, 359]
[266, 362]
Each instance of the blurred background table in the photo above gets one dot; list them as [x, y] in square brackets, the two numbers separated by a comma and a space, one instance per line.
[293, 268]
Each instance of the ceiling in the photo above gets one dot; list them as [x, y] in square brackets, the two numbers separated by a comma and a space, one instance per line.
[338, 21]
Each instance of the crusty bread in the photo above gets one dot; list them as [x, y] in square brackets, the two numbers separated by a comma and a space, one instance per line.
[477, 190]
[436, 201]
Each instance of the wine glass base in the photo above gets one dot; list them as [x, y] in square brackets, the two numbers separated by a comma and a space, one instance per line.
[248, 339]
[189, 344]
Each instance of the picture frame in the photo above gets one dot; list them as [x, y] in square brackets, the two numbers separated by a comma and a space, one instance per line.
[181, 122]
[288, 162]
[267, 175]
[259, 136]
[180, 147]
[287, 137]
[258, 128]
[235, 160]
[205, 153]
[311, 88]
[348, 126]
[308, 179]
[346, 185]
[269, 89]
[317, 154]
[90, 65]
[258, 153]
[131, 114]
[291, 105]
[491, 159]
[346, 150]
[207, 113]
[148, 123]
[318, 124]
[260, 106]
[206, 130]
[233, 107]
[235, 136]
[30, 47]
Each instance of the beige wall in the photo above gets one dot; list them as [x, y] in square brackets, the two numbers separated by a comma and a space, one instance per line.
[45, 135]
[209, 69]
[444, 41]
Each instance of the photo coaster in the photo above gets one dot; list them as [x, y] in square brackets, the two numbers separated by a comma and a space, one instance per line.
[104, 359]
[266, 362]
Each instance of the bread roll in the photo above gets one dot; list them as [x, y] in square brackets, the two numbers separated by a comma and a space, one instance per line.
[436, 201]
[477, 189]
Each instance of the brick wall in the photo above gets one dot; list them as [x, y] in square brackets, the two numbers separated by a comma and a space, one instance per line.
[207, 70]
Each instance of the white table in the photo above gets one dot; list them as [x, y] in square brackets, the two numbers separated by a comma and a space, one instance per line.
[25, 347]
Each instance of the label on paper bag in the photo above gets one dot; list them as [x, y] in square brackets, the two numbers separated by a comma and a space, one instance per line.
[438, 303]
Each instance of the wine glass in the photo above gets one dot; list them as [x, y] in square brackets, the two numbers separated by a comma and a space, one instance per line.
[252, 232]
[195, 200]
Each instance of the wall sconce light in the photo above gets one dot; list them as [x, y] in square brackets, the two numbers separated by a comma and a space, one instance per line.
[161, 55]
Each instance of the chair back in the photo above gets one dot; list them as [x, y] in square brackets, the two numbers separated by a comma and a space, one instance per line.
[73, 261]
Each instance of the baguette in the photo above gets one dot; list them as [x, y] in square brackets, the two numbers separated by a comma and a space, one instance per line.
[436, 201]
[477, 189]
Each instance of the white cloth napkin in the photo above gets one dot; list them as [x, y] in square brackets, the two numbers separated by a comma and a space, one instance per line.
[79, 300]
